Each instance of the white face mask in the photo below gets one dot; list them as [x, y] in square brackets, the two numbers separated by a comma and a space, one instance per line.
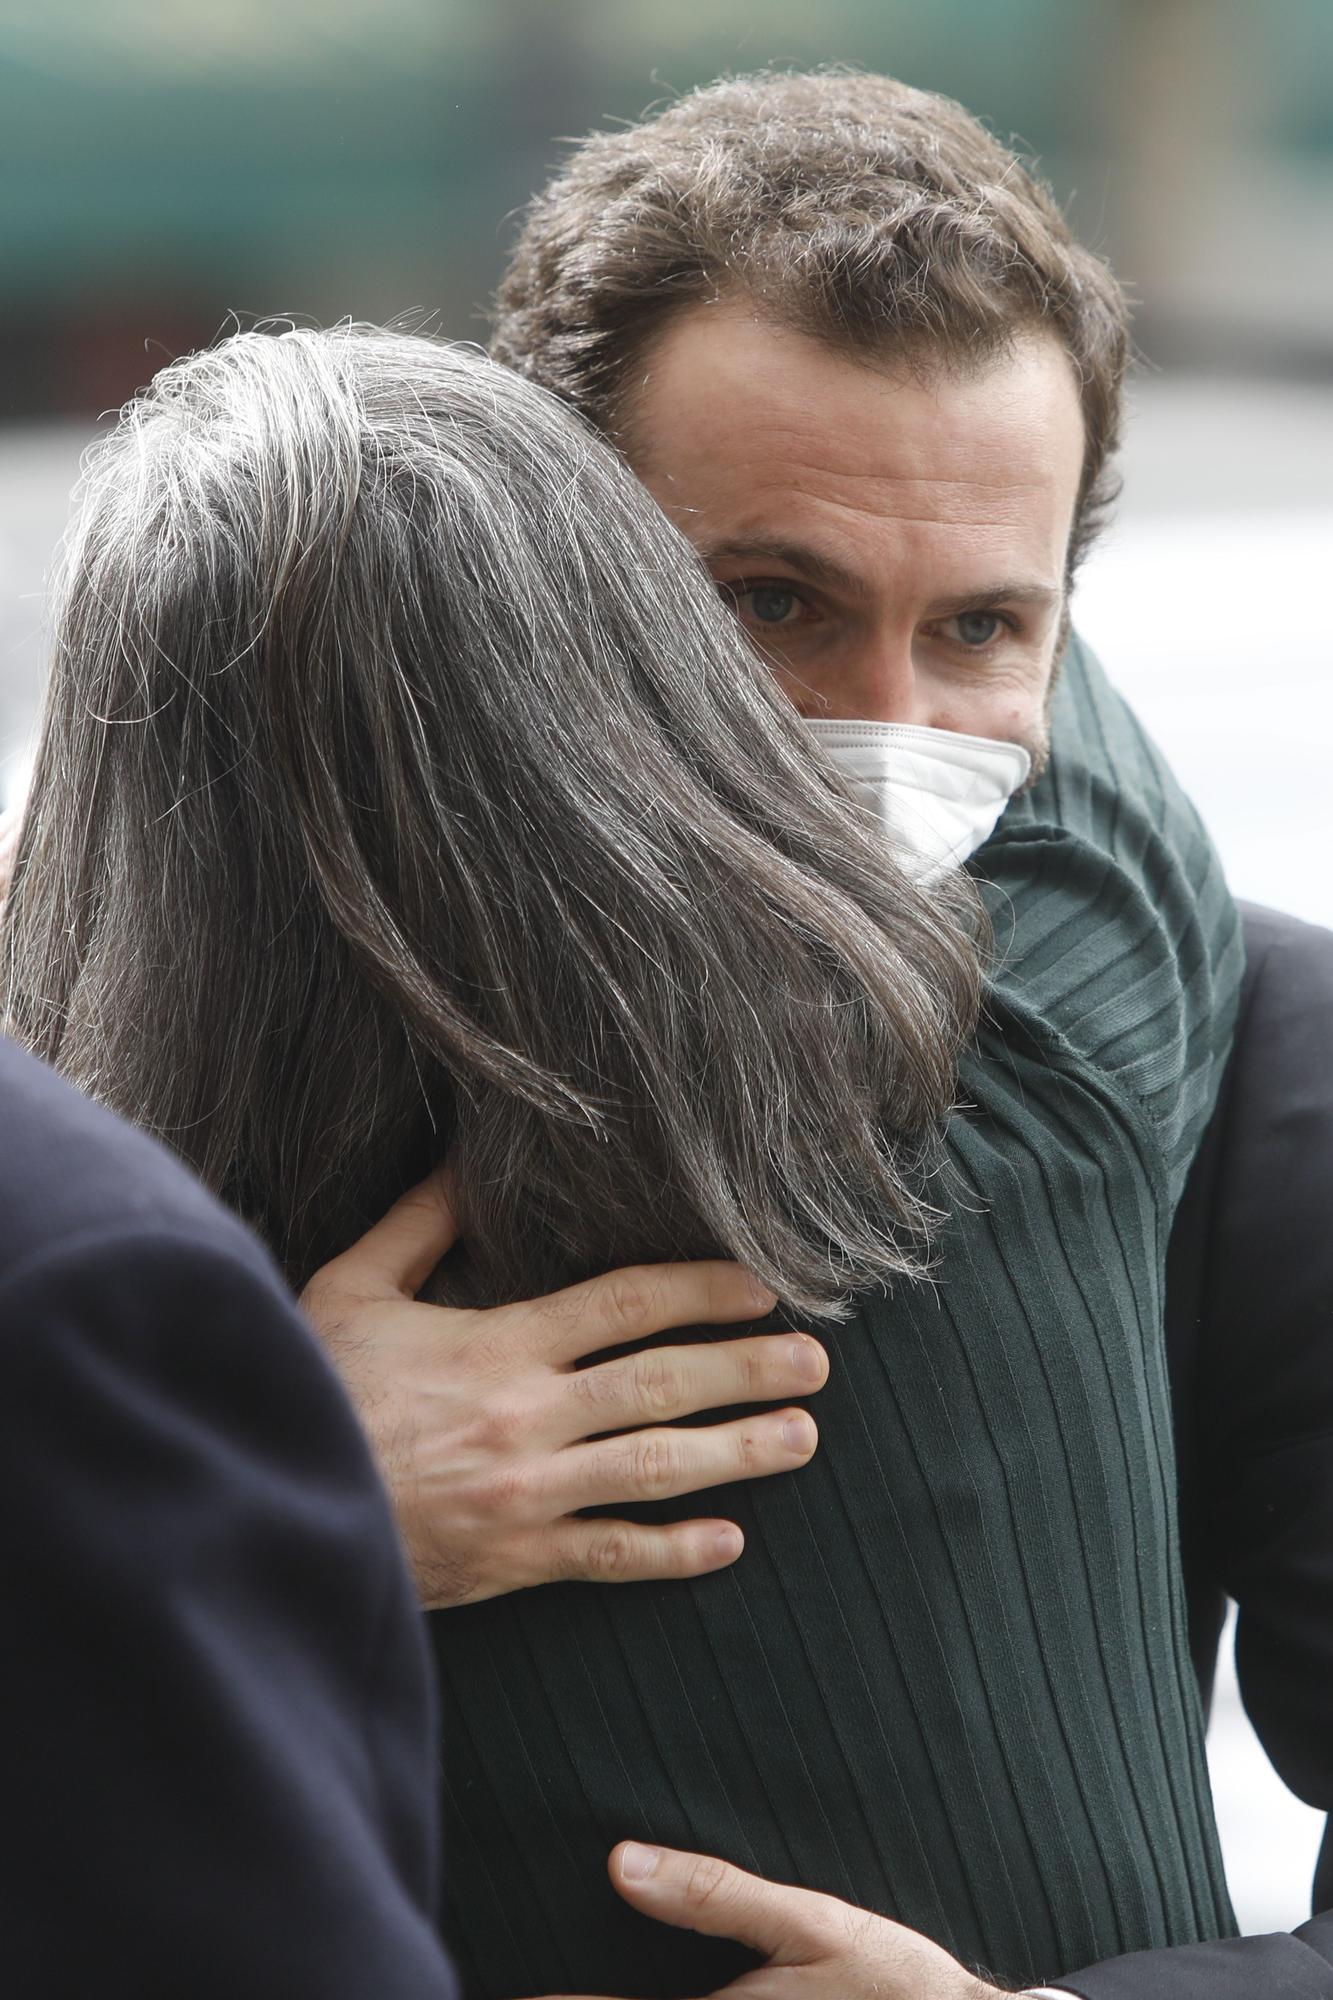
[936, 793]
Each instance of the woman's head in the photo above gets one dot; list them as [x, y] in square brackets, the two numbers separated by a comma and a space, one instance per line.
[404, 790]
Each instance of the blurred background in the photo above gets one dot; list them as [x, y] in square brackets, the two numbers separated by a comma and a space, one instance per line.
[167, 163]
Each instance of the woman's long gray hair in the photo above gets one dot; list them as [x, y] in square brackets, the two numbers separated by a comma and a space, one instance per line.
[405, 791]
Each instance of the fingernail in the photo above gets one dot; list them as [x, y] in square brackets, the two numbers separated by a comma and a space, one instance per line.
[761, 1298]
[728, 1543]
[638, 1863]
[807, 1361]
[798, 1434]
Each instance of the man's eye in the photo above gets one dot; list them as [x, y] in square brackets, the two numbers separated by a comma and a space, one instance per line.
[975, 628]
[767, 604]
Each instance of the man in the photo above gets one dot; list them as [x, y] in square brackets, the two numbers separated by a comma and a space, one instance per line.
[780, 297]
[949, 1678]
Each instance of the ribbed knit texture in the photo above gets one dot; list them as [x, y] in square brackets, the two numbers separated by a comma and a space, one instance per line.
[949, 1677]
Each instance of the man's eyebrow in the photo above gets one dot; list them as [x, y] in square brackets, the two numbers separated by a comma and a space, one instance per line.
[827, 570]
[793, 555]
[1040, 596]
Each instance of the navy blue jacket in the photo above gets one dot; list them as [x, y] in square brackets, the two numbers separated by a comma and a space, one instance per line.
[217, 1730]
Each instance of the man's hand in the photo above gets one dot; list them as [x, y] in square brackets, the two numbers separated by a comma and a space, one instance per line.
[817, 1948]
[483, 1423]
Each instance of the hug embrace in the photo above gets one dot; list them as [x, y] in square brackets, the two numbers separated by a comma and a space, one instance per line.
[612, 861]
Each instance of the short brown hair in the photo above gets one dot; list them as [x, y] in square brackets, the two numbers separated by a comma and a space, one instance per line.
[876, 218]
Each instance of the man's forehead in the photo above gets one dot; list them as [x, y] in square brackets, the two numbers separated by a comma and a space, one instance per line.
[776, 497]
[754, 438]
[722, 391]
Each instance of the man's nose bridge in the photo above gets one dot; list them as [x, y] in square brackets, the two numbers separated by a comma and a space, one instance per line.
[890, 687]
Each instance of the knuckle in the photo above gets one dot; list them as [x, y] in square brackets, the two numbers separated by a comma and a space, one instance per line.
[657, 1384]
[501, 1428]
[678, 1553]
[656, 1465]
[610, 1553]
[758, 1371]
[705, 1886]
[506, 1492]
[627, 1298]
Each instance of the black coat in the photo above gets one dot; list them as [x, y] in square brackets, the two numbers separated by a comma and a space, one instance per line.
[217, 1730]
[1250, 1346]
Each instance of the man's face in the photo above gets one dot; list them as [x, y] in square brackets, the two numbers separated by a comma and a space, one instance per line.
[895, 548]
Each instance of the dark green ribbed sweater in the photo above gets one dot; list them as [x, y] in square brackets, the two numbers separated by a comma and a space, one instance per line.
[948, 1679]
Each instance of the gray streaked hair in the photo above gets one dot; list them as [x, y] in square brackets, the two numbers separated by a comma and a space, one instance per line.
[404, 790]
